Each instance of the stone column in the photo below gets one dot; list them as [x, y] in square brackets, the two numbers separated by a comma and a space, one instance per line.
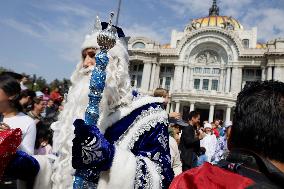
[178, 77]
[164, 83]
[237, 80]
[228, 80]
[172, 84]
[211, 113]
[172, 107]
[210, 85]
[191, 106]
[177, 106]
[184, 80]
[153, 77]
[221, 82]
[146, 76]
[228, 113]
[269, 73]
[262, 73]
[278, 74]
[157, 77]
[190, 79]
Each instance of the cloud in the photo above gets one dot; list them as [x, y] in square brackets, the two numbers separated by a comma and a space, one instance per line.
[268, 22]
[181, 7]
[197, 7]
[25, 28]
[31, 65]
[138, 30]
[66, 8]
[64, 38]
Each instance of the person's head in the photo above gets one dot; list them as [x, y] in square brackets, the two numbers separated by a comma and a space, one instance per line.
[56, 89]
[88, 57]
[213, 125]
[46, 91]
[50, 103]
[117, 91]
[217, 122]
[9, 94]
[207, 128]
[258, 122]
[27, 97]
[194, 118]
[38, 105]
[164, 93]
[14, 75]
[43, 135]
[176, 128]
[24, 79]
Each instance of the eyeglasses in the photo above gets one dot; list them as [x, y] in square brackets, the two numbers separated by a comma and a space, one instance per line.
[91, 52]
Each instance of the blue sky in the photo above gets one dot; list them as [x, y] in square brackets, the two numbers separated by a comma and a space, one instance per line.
[44, 37]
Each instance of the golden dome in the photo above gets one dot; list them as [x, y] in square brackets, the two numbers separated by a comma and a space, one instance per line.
[224, 22]
[214, 20]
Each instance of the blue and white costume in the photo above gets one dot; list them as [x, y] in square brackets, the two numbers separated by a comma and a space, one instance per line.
[132, 149]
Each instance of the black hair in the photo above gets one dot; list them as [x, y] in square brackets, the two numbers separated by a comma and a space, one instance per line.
[28, 92]
[44, 132]
[14, 75]
[11, 88]
[258, 122]
[192, 114]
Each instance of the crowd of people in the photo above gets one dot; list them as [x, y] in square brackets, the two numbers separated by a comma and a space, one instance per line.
[31, 111]
[127, 140]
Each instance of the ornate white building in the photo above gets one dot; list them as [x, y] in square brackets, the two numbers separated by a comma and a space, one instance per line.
[206, 65]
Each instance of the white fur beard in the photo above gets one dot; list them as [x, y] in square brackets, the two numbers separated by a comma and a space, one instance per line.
[74, 108]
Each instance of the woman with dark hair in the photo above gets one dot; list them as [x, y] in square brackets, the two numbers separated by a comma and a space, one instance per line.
[12, 116]
[38, 106]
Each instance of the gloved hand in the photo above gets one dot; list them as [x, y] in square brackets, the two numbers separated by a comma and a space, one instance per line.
[90, 148]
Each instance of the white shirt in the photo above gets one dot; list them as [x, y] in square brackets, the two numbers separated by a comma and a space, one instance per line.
[209, 142]
[175, 156]
[28, 127]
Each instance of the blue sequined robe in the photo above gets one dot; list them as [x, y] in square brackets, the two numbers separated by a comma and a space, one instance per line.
[142, 155]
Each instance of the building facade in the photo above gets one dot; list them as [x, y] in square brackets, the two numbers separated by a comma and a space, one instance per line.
[205, 66]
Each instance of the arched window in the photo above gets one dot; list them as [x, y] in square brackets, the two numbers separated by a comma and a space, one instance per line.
[138, 45]
[245, 43]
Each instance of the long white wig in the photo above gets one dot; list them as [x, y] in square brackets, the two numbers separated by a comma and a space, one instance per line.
[117, 93]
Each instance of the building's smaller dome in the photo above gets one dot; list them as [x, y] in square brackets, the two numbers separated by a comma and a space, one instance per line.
[261, 46]
[166, 46]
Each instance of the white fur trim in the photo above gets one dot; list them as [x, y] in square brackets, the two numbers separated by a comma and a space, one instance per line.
[122, 172]
[138, 126]
[90, 41]
[155, 176]
[124, 111]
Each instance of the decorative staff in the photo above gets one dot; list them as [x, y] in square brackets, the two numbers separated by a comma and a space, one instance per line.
[92, 152]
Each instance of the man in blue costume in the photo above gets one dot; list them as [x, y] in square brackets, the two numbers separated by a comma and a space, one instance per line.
[123, 140]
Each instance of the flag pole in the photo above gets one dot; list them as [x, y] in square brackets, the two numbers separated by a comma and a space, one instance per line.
[118, 11]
